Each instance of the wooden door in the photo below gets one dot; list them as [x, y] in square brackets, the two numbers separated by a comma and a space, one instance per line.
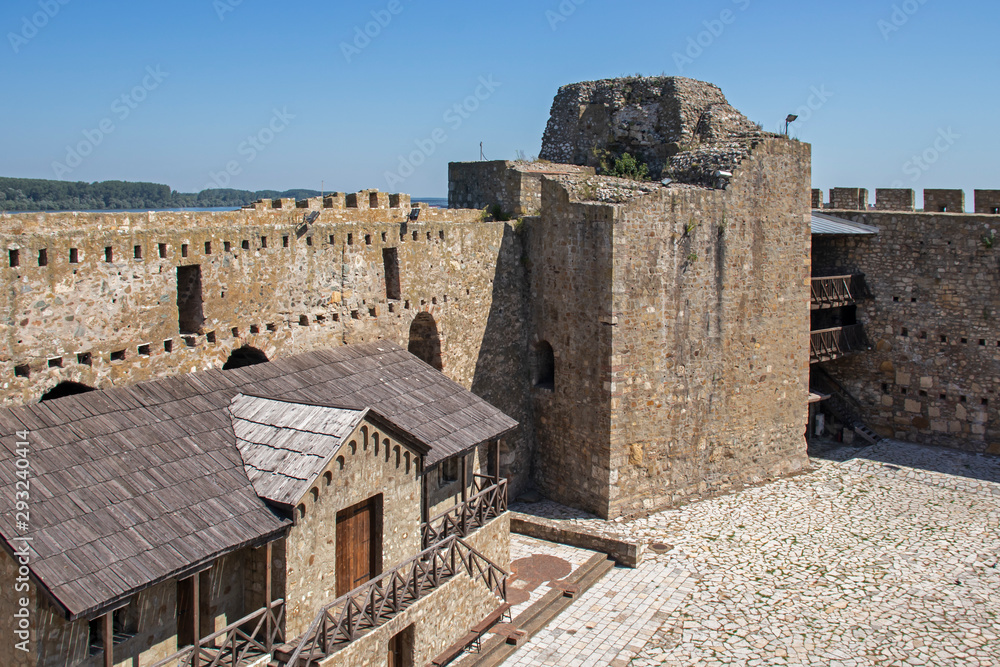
[395, 658]
[358, 546]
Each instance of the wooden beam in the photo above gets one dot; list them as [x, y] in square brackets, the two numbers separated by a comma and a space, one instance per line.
[465, 493]
[109, 639]
[196, 618]
[496, 453]
[268, 551]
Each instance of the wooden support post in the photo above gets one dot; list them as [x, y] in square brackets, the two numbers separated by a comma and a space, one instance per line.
[268, 551]
[465, 494]
[196, 619]
[109, 639]
[496, 454]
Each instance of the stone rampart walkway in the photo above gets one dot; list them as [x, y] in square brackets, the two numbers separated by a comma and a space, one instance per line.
[888, 558]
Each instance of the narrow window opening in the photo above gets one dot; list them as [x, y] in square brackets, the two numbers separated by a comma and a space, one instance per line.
[368, 239]
[965, 341]
[985, 401]
[982, 341]
[210, 337]
[545, 366]
[163, 250]
[284, 241]
[390, 263]
[309, 240]
[236, 332]
[963, 399]
[56, 362]
[350, 239]
[138, 251]
[43, 257]
[332, 240]
[385, 237]
[190, 341]
[441, 235]
[22, 371]
[355, 315]
[373, 200]
[428, 236]
[944, 339]
[85, 359]
[190, 303]
[263, 241]
[245, 245]
[372, 312]
[414, 236]
[15, 258]
[303, 320]
[144, 350]
[906, 332]
[168, 345]
[184, 250]
[74, 256]
[208, 247]
[119, 355]
[254, 329]
[425, 341]
[271, 327]
[227, 246]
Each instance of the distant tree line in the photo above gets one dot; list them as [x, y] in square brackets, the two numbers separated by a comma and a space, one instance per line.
[31, 194]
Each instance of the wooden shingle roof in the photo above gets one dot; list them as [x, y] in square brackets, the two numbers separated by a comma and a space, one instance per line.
[135, 485]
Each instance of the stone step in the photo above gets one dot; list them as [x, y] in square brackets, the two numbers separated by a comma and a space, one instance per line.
[497, 648]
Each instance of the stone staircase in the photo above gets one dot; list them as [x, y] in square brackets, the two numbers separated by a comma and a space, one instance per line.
[507, 638]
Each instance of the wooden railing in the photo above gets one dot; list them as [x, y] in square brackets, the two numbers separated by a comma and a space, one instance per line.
[251, 637]
[836, 291]
[464, 518]
[374, 603]
[829, 344]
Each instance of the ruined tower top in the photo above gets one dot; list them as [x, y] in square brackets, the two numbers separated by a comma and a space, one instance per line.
[681, 128]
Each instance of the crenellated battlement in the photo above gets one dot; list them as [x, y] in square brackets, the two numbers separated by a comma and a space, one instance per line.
[365, 199]
[987, 202]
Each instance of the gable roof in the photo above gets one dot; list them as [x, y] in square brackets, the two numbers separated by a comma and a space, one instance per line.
[136, 485]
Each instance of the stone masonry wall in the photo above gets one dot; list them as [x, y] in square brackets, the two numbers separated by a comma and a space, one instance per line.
[569, 252]
[282, 280]
[934, 376]
[371, 463]
[709, 373]
[988, 202]
[944, 201]
[853, 199]
[515, 186]
[892, 199]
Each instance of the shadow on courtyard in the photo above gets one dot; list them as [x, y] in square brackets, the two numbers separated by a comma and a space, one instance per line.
[982, 467]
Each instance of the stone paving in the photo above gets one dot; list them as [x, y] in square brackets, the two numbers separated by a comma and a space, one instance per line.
[886, 558]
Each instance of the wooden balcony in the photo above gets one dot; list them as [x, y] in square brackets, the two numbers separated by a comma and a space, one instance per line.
[830, 344]
[245, 642]
[489, 502]
[837, 291]
[378, 601]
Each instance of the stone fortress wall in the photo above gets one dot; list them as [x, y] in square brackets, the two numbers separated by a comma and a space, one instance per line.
[933, 375]
[651, 338]
[106, 299]
[669, 322]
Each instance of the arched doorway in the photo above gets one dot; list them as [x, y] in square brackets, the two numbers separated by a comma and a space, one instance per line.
[243, 357]
[64, 389]
[425, 343]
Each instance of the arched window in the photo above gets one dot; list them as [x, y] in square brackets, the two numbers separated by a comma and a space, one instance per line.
[64, 389]
[243, 357]
[545, 366]
[425, 343]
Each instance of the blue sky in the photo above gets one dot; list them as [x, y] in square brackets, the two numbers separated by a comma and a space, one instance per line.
[259, 94]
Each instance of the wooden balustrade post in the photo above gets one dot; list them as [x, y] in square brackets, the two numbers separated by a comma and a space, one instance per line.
[465, 495]
[267, 596]
[108, 636]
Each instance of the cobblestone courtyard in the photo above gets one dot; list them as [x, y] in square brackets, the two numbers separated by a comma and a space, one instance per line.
[888, 558]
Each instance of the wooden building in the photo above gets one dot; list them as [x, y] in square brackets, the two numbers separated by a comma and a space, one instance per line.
[326, 507]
